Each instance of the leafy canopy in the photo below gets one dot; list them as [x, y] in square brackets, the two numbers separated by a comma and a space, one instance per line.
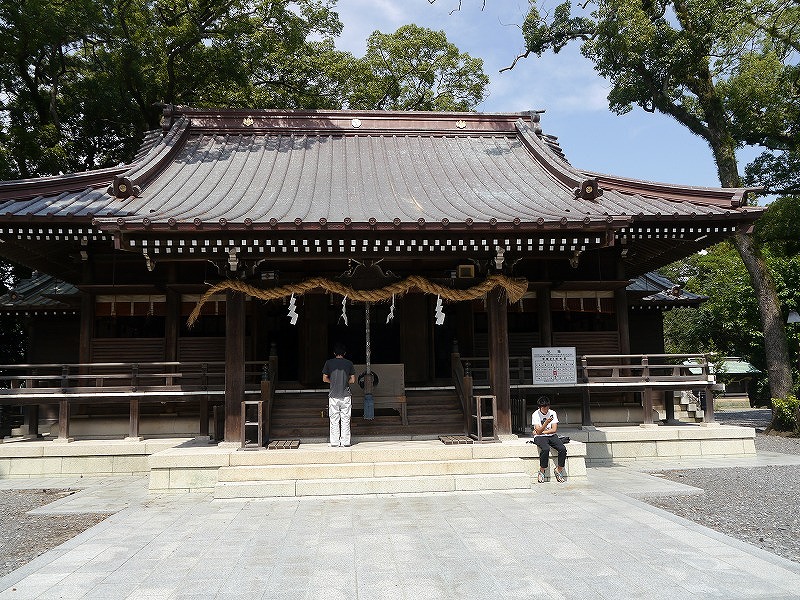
[725, 69]
[417, 69]
[80, 81]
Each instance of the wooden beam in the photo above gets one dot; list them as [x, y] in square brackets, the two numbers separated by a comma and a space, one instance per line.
[499, 381]
[234, 364]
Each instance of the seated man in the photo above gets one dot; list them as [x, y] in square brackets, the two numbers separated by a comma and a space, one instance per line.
[545, 425]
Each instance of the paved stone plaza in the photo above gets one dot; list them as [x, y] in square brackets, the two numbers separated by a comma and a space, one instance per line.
[603, 544]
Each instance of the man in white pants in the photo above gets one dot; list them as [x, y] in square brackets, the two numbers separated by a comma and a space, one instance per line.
[339, 373]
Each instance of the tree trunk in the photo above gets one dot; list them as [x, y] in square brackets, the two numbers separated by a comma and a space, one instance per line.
[779, 373]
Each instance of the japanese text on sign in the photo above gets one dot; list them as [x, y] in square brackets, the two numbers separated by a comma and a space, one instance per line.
[554, 366]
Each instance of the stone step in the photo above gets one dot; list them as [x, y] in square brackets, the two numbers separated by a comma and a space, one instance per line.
[384, 452]
[374, 469]
[372, 485]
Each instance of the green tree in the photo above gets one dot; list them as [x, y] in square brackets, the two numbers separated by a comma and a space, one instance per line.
[416, 68]
[81, 81]
[714, 66]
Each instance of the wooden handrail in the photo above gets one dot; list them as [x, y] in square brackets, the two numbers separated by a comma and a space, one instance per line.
[462, 381]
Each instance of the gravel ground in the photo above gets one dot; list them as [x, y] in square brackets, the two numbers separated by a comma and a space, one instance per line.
[756, 505]
[26, 536]
[750, 504]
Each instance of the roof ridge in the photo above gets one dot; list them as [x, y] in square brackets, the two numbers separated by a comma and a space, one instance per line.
[583, 187]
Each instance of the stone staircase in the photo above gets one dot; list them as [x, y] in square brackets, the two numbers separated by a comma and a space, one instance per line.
[687, 408]
[377, 476]
[372, 467]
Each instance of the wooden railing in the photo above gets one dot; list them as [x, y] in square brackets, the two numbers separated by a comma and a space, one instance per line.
[610, 372]
[612, 369]
[103, 383]
[639, 369]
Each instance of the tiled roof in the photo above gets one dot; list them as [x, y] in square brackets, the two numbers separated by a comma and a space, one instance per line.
[39, 292]
[298, 169]
[656, 290]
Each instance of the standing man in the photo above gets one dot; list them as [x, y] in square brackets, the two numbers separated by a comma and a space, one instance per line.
[340, 373]
[545, 425]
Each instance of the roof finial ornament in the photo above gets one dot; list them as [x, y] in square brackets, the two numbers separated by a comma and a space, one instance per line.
[535, 118]
[167, 115]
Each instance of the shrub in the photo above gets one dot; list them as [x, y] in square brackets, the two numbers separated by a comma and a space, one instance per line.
[786, 413]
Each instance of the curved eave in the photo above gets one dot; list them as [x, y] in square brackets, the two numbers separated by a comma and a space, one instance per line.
[131, 182]
[24, 189]
[702, 196]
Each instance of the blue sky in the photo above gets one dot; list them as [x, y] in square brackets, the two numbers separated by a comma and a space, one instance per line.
[640, 145]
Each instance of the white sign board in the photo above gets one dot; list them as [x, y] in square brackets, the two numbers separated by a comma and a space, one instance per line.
[554, 366]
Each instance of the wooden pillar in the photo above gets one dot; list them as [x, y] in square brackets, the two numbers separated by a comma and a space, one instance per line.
[204, 416]
[545, 317]
[708, 411]
[313, 348]
[86, 328]
[416, 345]
[133, 426]
[497, 313]
[32, 419]
[63, 420]
[586, 416]
[172, 325]
[234, 363]
[669, 407]
[623, 325]
[647, 406]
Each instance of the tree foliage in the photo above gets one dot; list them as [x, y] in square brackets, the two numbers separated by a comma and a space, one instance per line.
[81, 81]
[726, 70]
[417, 69]
[728, 322]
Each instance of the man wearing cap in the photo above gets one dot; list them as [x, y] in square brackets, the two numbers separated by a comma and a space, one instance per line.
[545, 425]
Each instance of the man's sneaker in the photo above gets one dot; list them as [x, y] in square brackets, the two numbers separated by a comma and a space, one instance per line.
[541, 477]
[561, 476]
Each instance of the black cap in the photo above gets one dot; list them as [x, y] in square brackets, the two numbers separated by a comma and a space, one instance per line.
[543, 401]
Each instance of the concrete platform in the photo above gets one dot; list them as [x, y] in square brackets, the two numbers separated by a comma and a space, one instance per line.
[380, 467]
[368, 467]
[45, 457]
[606, 445]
